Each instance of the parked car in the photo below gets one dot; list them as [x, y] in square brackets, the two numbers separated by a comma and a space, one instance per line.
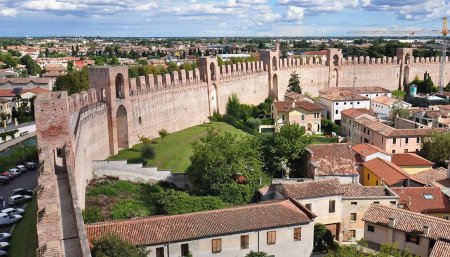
[5, 237]
[3, 253]
[31, 165]
[21, 191]
[6, 219]
[24, 133]
[18, 199]
[22, 168]
[4, 245]
[4, 180]
[8, 174]
[15, 171]
[13, 211]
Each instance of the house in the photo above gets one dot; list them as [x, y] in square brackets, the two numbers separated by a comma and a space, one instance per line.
[349, 115]
[295, 97]
[325, 161]
[279, 228]
[383, 105]
[363, 128]
[421, 234]
[411, 163]
[303, 113]
[5, 107]
[337, 101]
[425, 200]
[369, 92]
[339, 207]
[437, 116]
[25, 95]
[368, 152]
[26, 83]
[381, 172]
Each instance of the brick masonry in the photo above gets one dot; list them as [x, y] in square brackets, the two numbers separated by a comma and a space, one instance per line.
[72, 131]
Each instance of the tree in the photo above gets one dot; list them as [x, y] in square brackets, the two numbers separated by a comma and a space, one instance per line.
[399, 94]
[400, 112]
[436, 147]
[32, 67]
[112, 245]
[386, 250]
[114, 61]
[256, 254]
[70, 66]
[294, 83]
[233, 106]
[74, 82]
[163, 133]
[147, 151]
[323, 238]
[220, 161]
[328, 126]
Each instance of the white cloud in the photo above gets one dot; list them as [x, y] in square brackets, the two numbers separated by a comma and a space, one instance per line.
[146, 7]
[295, 13]
[7, 11]
[52, 5]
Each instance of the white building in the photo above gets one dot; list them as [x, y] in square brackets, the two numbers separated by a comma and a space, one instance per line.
[383, 105]
[280, 228]
[338, 101]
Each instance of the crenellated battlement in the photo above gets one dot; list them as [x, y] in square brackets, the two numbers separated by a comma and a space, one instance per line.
[82, 99]
[241, 68]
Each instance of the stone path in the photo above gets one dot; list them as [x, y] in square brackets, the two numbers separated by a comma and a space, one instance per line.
[16, 140]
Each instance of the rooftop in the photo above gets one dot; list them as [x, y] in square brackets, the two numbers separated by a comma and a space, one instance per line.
[286, 106]
[388, 172]
[431, 175]
[367, 149]
[343, 96]
[162, 229]
[386, 100]
[356, 112]
[423, 199]
[408, 221]
[309, 189]
[410, 159]
[357, 190]
[358, 90]
[334, 159]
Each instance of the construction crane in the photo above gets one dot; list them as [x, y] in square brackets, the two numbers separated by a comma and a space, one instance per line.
[414, 32]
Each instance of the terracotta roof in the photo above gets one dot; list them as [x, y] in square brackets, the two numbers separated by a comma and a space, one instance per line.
[309, 189]
[408, 221]
[410, 159]
[25, 80]
[7, 93]
[431, 175]
[321, 52]
[54, 67]
[344, 96]
[441, 249]
[11, 92]
[162, 229]
[367, 149]
[414, 199]
[357, 190]
[358, 90]
[294, 95]
[36, 90]
[4, 100]
[432, 114]
[388, 172]
[334, 159]
[356, 112]
[287, 106]
[386, 100]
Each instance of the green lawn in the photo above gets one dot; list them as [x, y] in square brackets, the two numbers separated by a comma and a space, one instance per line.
[174, 152]
[24, 236]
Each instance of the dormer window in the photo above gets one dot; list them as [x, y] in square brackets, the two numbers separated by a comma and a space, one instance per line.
[428, 196]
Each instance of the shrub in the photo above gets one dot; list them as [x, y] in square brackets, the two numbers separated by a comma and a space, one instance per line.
[112, 246]
[215, 117]
[92, 214]
[237, 124]
[128, 208]
[253, 123]
[328, 126]
[147, 152]
[177, 202]
[236, 193]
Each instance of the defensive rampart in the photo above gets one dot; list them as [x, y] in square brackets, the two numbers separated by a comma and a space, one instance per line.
[73, 131]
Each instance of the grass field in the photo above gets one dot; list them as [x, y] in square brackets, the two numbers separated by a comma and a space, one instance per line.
[24, 236]
[173, 153]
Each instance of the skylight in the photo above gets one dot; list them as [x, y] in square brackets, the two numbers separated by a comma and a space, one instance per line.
[428, 196]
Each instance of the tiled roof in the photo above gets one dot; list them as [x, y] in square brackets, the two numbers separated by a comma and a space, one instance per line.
[7, 93]
[4, 100]
[321, 52]
[357, 190]
[11, 92]
[431, 175]
[367, 149]
[294, 95]
[308, 106]
[441, 249]
[309, 189]
[286, 106]
[358, 90]
[343, 96]
[25, 80]
[386, 100]
[334, 159]
[356, 112]
[388, 172]
[414, 199]
[409, 159]
[162, 229]
[408, 221]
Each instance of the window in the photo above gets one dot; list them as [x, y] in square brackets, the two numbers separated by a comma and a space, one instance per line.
[345, 103]
[308, 206]
[393, 151]
[244, 241]
[216, 245]
[394, 141]
[412, 239]
[353, 216]
[332, 206]
[370, 228]
[405, 151]
[406, 140]
[428, 196]
[446, 217]
[376, 202]
[337, 111]
[336, 103]
[368, 176]
[184, 249]
[160, 252]
[140, 120]
[303, 117]
[271, 237]
[354, 203]
[377, 182]
[282, 117]
[352, 233]
[418, 140]
[357, 102]
[297, 234]
[393, 202]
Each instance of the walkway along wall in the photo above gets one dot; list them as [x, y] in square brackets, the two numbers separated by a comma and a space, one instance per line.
[73, 131]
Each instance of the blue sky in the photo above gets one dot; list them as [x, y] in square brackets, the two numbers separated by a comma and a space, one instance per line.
[158, 18]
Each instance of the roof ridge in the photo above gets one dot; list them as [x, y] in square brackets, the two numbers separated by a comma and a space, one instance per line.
[409, 212]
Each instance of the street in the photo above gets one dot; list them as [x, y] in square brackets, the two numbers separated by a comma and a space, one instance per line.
[28, 181]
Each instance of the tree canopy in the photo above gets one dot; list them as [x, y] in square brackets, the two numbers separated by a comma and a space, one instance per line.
[294, 83]
[74, 82]
[436, 148]
[112, 246]
[32, 67]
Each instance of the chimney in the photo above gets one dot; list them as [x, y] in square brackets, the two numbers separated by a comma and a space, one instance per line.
[426, 230]
[391, 222]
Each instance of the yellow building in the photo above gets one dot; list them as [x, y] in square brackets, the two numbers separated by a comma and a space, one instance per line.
[5, 106]
[381, 172]
[411, 163]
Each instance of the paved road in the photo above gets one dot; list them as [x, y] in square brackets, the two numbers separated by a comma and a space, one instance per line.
[26, 181]
[16, 140]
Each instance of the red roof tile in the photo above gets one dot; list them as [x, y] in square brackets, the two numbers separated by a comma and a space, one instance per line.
[356, 112]
[357, 190]
[441, 249]
[410, 159]
[308, 189]
[162, 229]
[414, 199]
[334, 159]
[431, 175]
[287, 106]
[343, 96]
[388, 172]
[367, 149]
